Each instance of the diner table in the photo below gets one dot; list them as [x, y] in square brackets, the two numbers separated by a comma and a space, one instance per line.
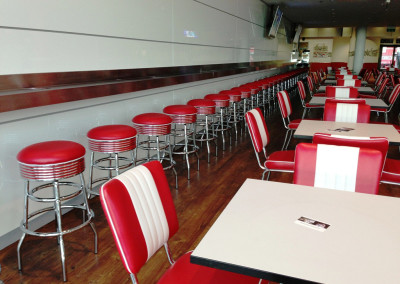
[374, 103]
[333, 82]
[362, 90]
[300, 234]
[307, 129]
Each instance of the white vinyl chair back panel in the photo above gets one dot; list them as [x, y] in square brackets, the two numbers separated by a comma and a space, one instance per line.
[336, 167]
[260, 126]
[346, 113]
[349, 82]
[148, 206]
[342, 93]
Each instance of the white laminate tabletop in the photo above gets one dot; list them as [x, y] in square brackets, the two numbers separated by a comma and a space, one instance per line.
[307, 129]
[363, 90]
[256, 234]
[375, 103]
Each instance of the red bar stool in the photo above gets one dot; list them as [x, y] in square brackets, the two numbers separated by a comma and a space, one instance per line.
[154, 131]
[110, 140]
[51, 162]
[234, 118]
[221, 125]
[183, 126]
[205, 112]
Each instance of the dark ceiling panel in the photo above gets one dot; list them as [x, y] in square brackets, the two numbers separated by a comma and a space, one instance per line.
[340, 13]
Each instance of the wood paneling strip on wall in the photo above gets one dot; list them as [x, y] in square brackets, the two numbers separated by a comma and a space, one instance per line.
[33, 90]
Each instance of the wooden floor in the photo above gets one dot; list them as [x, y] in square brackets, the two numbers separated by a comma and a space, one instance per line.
[198, 203]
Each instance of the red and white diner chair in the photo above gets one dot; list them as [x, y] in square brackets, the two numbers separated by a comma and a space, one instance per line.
[341, 92]
[303, 96]
[279, 161]
[380, 91]
[391, 101]
[285, 107]
[140, 212]
[352, 169]
[341, 76]
[391, 168]
[343, 112]
[348, 82]
[311, 88]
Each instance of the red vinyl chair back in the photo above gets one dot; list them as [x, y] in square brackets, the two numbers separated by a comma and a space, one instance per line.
[338, 167]
[342, 112]
[394, 95]
[382, 87]
[345, 101]
[140, 212]
[284, 104]
[302, 91]
[310, 84]
[349, 82]
[341, 92]
[258, 129]
[378, 143]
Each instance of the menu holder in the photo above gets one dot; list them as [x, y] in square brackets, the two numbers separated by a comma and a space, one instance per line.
[342, 129]
[313, 224]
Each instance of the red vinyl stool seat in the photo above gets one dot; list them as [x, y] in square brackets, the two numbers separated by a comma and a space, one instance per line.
[183, 126]
[221, 125]
[205, 120]
[110, 140]
[154, 131]
[50, 163]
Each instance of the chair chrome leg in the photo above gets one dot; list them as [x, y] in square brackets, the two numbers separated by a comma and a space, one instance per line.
[304, 113]
[290, 138]
[284, 141]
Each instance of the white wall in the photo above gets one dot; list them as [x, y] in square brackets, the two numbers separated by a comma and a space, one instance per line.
[57, 36]
[340, 49]
[49, 36]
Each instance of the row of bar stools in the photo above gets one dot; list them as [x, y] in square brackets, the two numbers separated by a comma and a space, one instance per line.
[110, 141]
[205, 121]
[221, 124]
[184, 119]
[154, 131]
[50, 163]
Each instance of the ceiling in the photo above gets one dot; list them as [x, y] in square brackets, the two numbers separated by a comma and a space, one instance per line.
[340, 13]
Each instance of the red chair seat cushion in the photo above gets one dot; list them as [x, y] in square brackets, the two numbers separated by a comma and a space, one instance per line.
[281, 160]
[51, 152]
[391, 171]
[294, 124]
[111, 132]
[182, 271]
[319, 95]
[180, 109]
[152, 118]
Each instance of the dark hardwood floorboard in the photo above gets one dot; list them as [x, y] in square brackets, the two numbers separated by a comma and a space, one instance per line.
[198, 203]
